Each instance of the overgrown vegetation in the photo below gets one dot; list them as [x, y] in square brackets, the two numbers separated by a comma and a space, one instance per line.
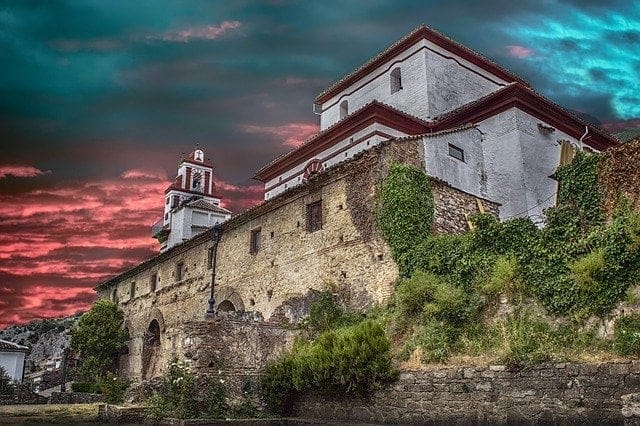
[182, 395]
[345, 357]
[577, 266]
[98, 337]
[508, 290]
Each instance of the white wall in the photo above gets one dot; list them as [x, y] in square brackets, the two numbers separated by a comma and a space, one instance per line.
[330, 157]
[13, 363]
[519, 158]
[434, 81]
[467, 175]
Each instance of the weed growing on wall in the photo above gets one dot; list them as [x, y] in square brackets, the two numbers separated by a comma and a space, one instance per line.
[348, 359]
[577, 266]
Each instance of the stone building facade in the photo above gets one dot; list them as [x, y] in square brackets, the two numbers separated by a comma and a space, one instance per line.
[269, 261]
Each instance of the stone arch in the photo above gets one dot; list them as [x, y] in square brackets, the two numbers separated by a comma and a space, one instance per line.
[152, 344]
[226, 306]
[313, 167]
[228, 294]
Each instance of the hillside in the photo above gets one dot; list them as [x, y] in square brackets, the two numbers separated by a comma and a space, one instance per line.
[46, 338]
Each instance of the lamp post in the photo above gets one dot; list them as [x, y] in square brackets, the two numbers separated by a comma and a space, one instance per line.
[211, 311]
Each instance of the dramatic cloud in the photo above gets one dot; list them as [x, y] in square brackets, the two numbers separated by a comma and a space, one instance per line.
[108, 98]
[519, 52]
[205, 32]
[21, 171]
[290, 135]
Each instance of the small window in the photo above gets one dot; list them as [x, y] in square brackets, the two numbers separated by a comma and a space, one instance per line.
[456, 152]
[166, 216]
[314, 216]
[153, 281]
[167, 200]
[396, 80]
[114, 296]
[210, 258]
[344, 109]
[255, 240]
[132, 291]
[180, 271]
[175, 200]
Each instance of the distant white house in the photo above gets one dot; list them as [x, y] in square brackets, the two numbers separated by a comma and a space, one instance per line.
[12, 359]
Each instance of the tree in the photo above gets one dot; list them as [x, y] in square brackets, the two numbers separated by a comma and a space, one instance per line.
[99, 337]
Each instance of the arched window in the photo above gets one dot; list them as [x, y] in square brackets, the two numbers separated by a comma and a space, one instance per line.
[396, 80]
[226, 306]
[344, 109]
[153, 334]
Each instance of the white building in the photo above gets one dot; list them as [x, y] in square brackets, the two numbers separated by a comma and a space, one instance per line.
[12, 359]
[191, 205]
[485, 130]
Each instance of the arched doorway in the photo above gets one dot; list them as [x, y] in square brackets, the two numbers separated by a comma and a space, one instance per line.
[226, 306]
[151, 348]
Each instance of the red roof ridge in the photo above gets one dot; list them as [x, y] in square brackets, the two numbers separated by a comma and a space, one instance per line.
[373, 104]
[421, 32]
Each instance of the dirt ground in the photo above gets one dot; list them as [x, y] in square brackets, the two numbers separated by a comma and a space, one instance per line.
[50, 413]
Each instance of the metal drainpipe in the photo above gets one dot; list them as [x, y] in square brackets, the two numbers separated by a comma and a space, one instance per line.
[211, 311]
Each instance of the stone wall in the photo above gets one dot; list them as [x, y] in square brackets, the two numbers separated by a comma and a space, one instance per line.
[276, 282]
[547, 393]
[619, 177]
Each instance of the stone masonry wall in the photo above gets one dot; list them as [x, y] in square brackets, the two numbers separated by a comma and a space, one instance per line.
[276, 283]
[543, 394]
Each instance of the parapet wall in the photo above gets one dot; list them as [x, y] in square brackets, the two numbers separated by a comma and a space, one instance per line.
[547, 393]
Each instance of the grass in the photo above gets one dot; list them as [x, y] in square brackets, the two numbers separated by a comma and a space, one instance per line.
[49, 413]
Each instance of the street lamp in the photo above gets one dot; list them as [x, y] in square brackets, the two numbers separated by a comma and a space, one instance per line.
[217, 233]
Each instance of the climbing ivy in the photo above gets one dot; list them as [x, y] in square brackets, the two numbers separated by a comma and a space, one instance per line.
[579, 188]
[405, 208]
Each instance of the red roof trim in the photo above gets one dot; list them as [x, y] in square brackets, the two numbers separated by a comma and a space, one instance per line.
[516, 95]
[197, 163]
[374, 112]
[422, 32]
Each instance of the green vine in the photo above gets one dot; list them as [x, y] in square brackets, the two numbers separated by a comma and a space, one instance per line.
[405, 208]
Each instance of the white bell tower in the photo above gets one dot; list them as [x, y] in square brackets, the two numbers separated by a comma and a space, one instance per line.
[191, 205]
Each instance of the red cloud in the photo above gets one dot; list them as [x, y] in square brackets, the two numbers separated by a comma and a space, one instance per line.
[57, 244]
[519, 52]
[21, 171]
[291, 134]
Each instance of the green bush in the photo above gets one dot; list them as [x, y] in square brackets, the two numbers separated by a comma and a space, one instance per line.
[627, 335]
[350, 360]
[7, 386]
[87, 387]
[526, 340]
[436, 340]
[178, 395]
[504, 278]
[326, 314]
[584, 270]
[113, 388]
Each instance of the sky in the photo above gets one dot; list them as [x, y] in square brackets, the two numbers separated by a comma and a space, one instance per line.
[100, 98]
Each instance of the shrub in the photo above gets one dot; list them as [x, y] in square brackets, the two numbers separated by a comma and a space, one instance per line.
[326, 314]
[178, 395]
[504, 278]
[113, 388]
[525, 340]
[215, 399]
[7, 386]
[87, 387]
[584, 270]
[436, 340]
[349, 360]
[627, 335]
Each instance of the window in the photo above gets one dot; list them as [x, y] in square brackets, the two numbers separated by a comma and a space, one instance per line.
[180, 271]
[314, 216]
[167, 200]
[132, 291]
[344, 109]
[114, 296]
[153, 282]
[174, 201]
[456, 152]
[396, 80]
[255, 240]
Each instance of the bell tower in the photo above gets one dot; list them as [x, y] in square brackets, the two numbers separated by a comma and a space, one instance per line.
[191, 204]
